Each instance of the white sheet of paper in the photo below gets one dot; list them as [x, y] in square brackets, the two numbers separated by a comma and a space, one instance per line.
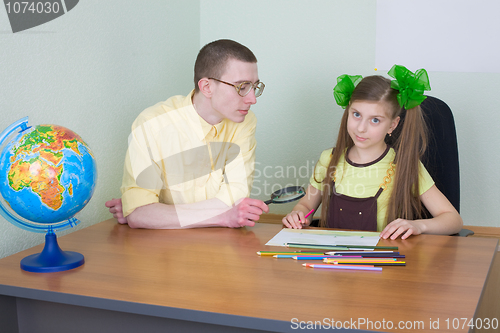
[324, 237]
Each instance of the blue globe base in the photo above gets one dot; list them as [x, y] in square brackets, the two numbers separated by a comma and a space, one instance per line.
[52, 258]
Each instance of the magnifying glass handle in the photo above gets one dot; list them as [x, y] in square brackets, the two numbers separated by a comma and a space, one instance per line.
[267, 202]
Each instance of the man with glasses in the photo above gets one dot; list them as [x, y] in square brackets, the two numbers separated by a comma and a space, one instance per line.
[190, 160]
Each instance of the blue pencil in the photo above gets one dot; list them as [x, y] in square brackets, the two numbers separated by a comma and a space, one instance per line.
[373, 255]
[284, 256]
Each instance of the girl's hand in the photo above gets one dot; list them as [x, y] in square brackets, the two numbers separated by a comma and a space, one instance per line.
[294, 220]
[401, 227]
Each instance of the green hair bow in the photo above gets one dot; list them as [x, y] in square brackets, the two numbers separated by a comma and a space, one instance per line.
[411, 86]
[344, 88]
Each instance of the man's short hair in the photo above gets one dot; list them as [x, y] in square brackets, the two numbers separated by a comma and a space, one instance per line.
[212, 58]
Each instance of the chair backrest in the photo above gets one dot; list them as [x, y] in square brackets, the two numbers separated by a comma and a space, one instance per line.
[441, 156]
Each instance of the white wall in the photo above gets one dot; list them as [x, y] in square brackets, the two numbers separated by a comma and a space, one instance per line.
[93, 70]
[302, 47]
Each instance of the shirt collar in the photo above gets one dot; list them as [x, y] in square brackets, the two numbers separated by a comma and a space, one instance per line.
[208, 131]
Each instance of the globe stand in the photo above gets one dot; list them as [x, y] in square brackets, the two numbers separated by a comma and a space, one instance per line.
[52, 258]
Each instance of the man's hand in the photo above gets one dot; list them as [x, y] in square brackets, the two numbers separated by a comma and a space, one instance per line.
[115, 208]
[245, 213]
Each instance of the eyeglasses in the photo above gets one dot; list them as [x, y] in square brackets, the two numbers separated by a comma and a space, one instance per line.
[245, 87]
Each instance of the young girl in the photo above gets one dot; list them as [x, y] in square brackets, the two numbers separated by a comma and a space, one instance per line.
[364, 183]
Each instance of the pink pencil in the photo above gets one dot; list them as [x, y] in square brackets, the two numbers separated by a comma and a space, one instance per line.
[307, 215]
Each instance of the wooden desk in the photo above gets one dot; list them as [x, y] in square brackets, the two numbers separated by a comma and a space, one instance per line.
[212, 280]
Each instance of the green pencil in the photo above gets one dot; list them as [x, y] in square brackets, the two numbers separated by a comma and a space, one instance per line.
[340, 247]
[322, 247]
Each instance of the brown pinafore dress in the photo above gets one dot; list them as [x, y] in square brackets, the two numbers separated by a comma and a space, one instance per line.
[345, 212]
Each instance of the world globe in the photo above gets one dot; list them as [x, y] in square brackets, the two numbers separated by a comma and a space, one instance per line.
[47, 175]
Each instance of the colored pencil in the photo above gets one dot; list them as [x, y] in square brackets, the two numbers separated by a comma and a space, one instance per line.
[307, 215]
[313, 257]
[273, 253]
[359, 262]
[361, 252]
[284, 256]
[363, 268]
[396, 263]
[339, 246]
[361, 259]
[310, 256]
[369, 255]
[322, 247]
[365, 254]
[352, 261]
[390, 256]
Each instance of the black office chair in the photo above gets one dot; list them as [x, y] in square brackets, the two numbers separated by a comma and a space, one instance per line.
[441, 156]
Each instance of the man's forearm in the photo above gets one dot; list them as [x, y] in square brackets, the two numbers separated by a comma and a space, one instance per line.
[208, 213]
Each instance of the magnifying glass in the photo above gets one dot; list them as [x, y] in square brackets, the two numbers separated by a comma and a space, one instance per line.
[287, 194]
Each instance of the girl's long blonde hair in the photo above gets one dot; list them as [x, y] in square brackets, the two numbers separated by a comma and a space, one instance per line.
[410, 145]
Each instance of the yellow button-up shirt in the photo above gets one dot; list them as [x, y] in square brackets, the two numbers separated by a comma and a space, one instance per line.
[175, 157]
[363, 181]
